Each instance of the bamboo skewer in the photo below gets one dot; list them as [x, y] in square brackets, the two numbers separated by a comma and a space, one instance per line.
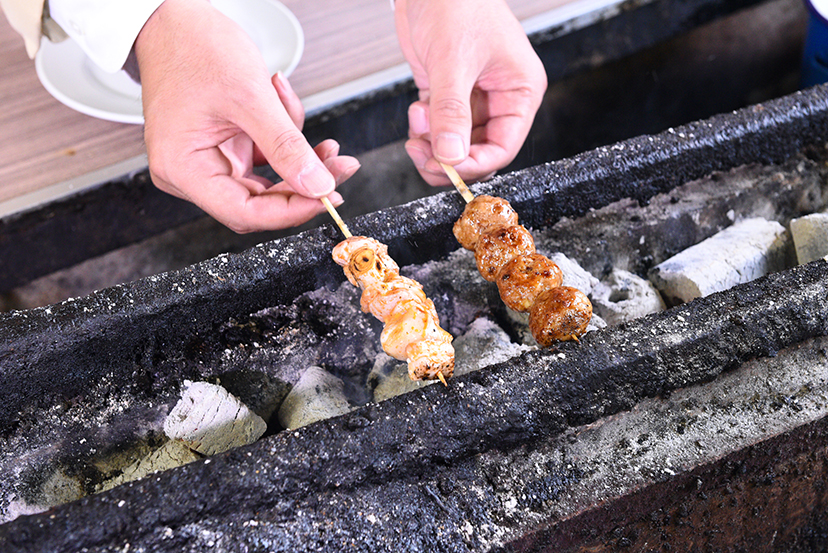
[458, 182]
[337, 219]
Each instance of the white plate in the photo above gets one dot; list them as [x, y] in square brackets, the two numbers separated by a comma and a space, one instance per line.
[71, 77]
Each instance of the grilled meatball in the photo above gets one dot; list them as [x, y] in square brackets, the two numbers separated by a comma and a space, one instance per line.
[480, 215]
[498, 246]
[524, 277]
[559, 314]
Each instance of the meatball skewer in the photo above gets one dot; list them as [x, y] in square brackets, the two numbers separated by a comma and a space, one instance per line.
[527, 281]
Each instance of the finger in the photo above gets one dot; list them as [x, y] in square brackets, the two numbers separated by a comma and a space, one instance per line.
[418, 120]
[286, 149]
[293, 105]
[450, 115]
[430, 170]
[326, 149]
[342, 167]
[234, 206]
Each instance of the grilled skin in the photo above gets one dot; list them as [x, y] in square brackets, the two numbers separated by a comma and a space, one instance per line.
[412, 330]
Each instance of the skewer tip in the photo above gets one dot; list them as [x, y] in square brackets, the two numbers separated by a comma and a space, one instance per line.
[442, 378]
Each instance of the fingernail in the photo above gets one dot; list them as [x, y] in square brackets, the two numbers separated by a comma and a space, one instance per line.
[418, 157]
[336, 199]
[315, 181]
[450, 148]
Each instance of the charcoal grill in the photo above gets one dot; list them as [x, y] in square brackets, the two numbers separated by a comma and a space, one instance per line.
[475, 466]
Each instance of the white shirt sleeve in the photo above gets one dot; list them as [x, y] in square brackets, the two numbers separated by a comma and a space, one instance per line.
[104, 29]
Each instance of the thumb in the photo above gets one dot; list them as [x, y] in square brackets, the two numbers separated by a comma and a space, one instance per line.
[450, 117]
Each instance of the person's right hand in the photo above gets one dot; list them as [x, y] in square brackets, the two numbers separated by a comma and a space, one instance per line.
[212, 112]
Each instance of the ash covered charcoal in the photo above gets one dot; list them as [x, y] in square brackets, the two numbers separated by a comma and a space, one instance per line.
[624, 296]
[210, 420]
[573, 274]
[317, 395]
[634, 237]
[810, 236]
[321, 328]
[389, 378]
[484, 343]
[171, 454]
[740, 253]
[459, 293]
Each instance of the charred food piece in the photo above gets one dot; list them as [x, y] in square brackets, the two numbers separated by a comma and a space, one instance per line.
[412, 330]
[559, 314]
[498, 246]
[524, 277]
[480, 215]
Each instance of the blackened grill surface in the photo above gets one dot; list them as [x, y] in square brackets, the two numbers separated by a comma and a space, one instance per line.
[305, 480]
[50, 354]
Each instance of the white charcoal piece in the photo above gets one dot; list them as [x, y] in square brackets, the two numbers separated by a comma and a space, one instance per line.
[810, 236]
[173, 453]
[209, 419]
[484, 343]
[316, 395]
[740, 253]
[624, 296]
[389, 378]
[573, 274]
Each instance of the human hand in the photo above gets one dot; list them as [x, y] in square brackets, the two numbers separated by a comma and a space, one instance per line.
[212, 112]
[480, 85]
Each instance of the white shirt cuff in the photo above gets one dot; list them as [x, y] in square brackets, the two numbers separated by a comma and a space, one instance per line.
[104, 29]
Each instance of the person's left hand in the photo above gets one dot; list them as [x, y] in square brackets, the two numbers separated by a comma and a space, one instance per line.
[480, 85]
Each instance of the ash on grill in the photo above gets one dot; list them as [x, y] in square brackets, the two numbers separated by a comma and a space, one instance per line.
[279, 357]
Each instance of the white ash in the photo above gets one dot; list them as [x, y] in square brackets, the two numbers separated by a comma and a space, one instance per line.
[317, 395]
[210, 420]
[810, 236]
[624, 296]
[742, 252]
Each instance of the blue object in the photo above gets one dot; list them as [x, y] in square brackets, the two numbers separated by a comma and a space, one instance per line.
[815, 56]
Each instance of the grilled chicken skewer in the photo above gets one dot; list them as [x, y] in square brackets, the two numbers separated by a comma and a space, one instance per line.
[412, 330]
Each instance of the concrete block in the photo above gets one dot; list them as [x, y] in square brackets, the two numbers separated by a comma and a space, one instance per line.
[810, 237]
[740, 253]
